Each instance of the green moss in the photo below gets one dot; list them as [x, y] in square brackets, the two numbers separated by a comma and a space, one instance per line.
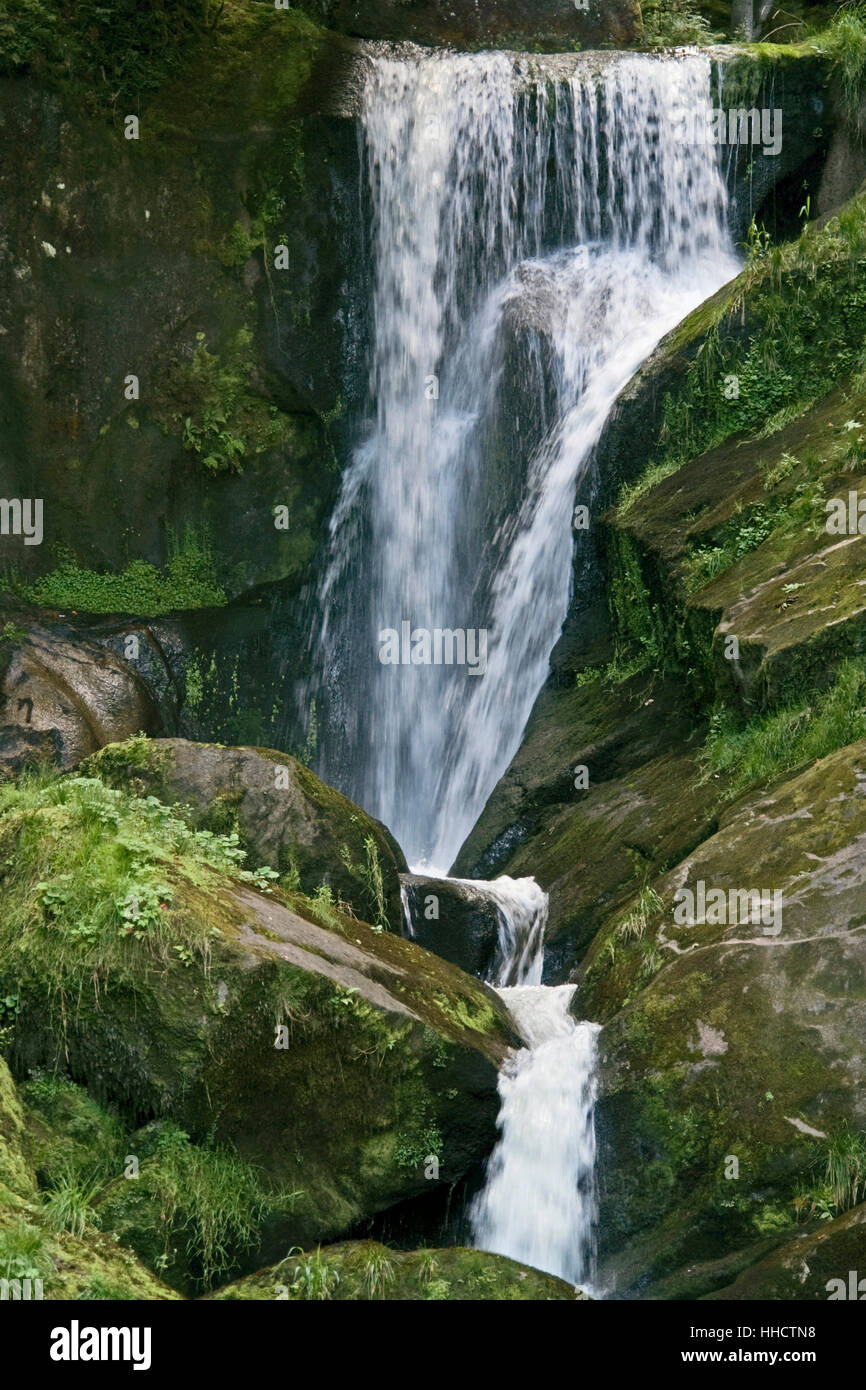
[364, 1270]
[188, 581]
[97, 882]
[650, 620]
[779, 517]
[97, 51]
[806, 312]
[16, 1173]
[68, 1133]
[206, 398]
[809, 727]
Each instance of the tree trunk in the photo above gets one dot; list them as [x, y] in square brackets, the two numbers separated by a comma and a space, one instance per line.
[743, 16]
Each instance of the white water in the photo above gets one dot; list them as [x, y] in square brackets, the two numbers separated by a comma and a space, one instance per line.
[575, 216]
[539, 1205]
[579, 202]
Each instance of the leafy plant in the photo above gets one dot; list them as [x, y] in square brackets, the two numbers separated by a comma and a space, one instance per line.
[378, 1272]
[669, 23]
[69, 1205]
[188, 580]
[314, 1278]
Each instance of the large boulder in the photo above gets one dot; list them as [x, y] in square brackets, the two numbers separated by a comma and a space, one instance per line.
[367, 1270]
[733, 1057]
[284, 815]
[816, 1266]
[454, 918]
[350, 1067]
[63, 696]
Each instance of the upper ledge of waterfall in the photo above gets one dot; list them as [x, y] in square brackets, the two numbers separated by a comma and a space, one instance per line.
[343, 92]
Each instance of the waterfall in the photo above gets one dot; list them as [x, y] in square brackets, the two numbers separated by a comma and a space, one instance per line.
[538, 1204]
[537, 226]
[554, 214]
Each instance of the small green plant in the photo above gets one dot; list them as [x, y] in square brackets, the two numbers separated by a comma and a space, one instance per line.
[378, 1272]
[315, 1279]
[24, 1251]
[438, 1290]
[632, 927]
[845, 1170]
[671, 23]
[372, 874]
[188, 580]
[770, 743]
[69, 1205]
[757, 244]
[653, 960]
[102, 1289]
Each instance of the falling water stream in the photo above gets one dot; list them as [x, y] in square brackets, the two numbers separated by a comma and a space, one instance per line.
[535, 233]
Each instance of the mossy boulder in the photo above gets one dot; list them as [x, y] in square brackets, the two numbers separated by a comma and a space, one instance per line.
[815, 1266]
[284, 815]
[346, 1065]
[737, 541]
[89, 1266]
[365, 1270]
[736, 1041]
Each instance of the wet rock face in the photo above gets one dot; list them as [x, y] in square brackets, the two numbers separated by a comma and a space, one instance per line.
[747, 1043]
[63, 697]
[161, 267]
[539, 24]
[454, 920]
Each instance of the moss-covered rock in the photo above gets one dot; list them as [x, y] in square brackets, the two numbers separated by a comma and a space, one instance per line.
[161, 251]
[592, 848]
[817, 1265]
[348, 1066]
[284, 815]
[742, 1051]
[16, 1173]
[369, 1271]
[56, 1129]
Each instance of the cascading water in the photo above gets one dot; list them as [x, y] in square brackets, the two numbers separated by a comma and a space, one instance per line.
[492, 184]
[553, 224]
[538, 1204]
